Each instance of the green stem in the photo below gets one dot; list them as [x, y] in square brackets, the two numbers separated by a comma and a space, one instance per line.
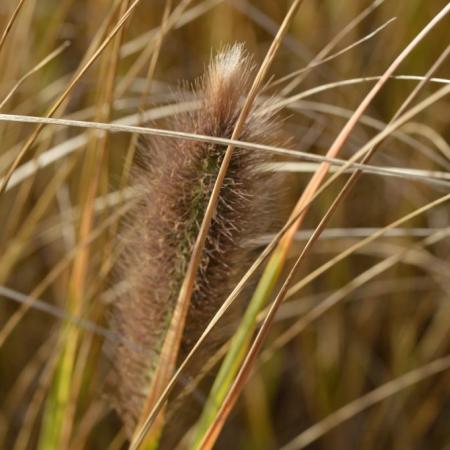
[239, 345]
[52, 431]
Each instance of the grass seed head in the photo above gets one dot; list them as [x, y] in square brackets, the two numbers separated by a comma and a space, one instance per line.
[177, 177]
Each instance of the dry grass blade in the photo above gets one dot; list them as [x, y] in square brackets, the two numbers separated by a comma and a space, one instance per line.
[344, 134]
[42, 306]
[322, 57]
[65, 94]
[56, 429]
[350, 82]
[396, 172]
[10, 23]
[55, 53]
[63, 150]
[152, 48]
[372, 398]
[296, 288]
[56, 271]
[337, 296]
[137, 44]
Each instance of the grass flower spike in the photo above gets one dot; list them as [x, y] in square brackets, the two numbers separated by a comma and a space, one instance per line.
[177, 178]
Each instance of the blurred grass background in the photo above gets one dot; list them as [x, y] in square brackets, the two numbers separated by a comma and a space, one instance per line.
[58, 244]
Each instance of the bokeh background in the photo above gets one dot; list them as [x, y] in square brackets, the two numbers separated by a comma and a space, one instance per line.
[60, 215]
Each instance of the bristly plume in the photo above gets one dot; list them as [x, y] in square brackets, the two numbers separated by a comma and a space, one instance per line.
[177, 177]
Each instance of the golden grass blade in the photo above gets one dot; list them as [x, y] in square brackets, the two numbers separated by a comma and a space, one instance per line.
[66, 93]
[56, 271]
[10, 23]
[323, 56]
[372, 398]
[54, 54]
[34, 407]
[59, 413]
[166, 24]
[152, 49]
[349, 82]
[140, 42]
[371, 123]
[338, 295]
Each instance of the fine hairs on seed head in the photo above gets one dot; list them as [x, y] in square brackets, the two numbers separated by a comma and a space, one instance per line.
[177, 178]
[226, 65]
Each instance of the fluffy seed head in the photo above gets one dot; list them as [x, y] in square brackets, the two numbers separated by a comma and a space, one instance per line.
[177, 178]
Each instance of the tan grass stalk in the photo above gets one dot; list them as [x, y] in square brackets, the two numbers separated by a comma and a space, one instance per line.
[54, 108]
[379, 394]
[10, 23]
